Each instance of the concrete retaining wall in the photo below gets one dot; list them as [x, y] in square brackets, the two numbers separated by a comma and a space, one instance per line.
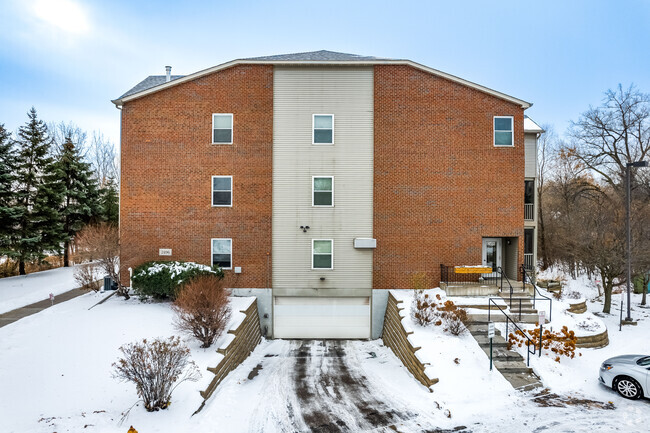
[396, 337]
[593, 341]
[578, 308]
[241, 342]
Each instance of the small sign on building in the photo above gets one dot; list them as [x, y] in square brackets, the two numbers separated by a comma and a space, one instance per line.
[165, 252]
[542, 317]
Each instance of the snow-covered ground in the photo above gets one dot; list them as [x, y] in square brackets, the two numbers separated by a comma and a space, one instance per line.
[16, 292]
[55, 376]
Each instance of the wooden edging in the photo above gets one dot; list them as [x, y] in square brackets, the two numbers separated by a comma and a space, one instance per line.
[578, 308]
[246, 337]
[396, 338]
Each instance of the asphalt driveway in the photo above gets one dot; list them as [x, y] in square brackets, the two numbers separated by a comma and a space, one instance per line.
[324, 386]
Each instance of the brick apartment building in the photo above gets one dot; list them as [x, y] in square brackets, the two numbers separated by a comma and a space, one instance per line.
[319, 180]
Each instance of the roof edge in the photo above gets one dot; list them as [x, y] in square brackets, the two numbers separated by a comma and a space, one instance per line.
[524, 104]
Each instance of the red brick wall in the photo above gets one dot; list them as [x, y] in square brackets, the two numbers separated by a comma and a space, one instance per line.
[168, 160]
[439, 183]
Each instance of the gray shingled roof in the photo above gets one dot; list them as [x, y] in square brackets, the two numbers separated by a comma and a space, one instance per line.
[148, 83]
[314, 56]
[322, 56]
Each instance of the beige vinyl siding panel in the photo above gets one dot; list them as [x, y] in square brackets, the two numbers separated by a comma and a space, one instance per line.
[530, 155]
[347, 93]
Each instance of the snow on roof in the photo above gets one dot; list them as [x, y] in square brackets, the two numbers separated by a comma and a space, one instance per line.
[531, 126]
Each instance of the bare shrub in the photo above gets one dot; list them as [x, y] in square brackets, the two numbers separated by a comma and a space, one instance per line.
[202, 309]
[101, 243]
[453, 317]
[88, 277]
[556, 344]
[156, 368]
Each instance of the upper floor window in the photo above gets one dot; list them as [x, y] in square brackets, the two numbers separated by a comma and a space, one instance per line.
[222, 129]
[323, 129]
[322, 257]
[222, 253]
[221, 190]
[503, 131]
[322, 191]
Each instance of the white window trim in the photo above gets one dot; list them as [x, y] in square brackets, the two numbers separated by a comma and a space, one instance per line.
[313, 130]
[494, 131]
[212, 250]
[312, 255]
[232, 188]
[313, 191]
[232, 127]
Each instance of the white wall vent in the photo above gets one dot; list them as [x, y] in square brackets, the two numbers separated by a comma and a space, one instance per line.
[365, 243]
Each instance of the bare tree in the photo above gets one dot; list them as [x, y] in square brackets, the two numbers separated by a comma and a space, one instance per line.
[62, 131]
[607, 137]
[103, 157]
[547, 147]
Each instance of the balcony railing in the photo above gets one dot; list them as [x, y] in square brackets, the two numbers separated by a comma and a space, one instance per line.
[528, 261]
[529, 211]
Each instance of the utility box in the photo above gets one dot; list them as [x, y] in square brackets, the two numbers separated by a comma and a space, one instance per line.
[109, 284]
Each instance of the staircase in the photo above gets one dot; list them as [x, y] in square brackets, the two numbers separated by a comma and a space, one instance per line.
[509, 363]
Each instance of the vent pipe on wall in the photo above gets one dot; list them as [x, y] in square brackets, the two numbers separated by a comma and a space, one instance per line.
[168, 70]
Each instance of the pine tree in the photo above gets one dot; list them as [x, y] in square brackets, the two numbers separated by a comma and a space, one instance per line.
[8, 210]
[80, 196]
[37, 198]
[110, 202]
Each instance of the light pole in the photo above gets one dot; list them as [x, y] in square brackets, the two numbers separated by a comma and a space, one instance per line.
[627, 224]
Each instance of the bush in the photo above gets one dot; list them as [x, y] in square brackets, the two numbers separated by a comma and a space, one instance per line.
[154, 367]
[162, 280]
[202, 309]
[423, 308]
[453, 317]
[100, 243]
[88, 277]
[557, 344]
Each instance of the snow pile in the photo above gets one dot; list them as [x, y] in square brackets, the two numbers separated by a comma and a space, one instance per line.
[177, 268]
[55, 367]
[466, 384]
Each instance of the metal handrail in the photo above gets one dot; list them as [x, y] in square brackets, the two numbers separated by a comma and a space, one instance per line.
[508, 319]
[503, 274]
[524, 276]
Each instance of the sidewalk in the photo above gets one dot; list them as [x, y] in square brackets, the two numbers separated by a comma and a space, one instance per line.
[28, 310]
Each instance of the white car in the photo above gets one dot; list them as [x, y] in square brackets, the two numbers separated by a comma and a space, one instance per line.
[629, 375]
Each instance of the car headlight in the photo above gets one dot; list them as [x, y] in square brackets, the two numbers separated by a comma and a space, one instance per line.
[606, 367]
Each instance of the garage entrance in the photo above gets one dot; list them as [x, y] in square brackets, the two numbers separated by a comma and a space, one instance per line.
[321, 317]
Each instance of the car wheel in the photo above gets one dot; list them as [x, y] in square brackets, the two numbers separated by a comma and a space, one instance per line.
[627, 387]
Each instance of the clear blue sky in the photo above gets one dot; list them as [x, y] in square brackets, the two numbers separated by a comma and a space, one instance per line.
[69, 58]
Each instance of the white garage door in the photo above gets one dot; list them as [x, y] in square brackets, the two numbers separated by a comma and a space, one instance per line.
[302, 317]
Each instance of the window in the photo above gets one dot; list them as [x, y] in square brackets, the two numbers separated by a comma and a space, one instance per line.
[323, 131]
[222, 129]
[321, 250]
[222, 253]
[322, 191]
[503, 131]
[221, 190]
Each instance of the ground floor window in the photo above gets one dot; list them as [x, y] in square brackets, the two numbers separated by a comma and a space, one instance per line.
[322, 256]
[222, 253]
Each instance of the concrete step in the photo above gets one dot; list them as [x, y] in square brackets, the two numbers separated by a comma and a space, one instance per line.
[512, 366]
[483, 341]
[523, 381]
[502, 354]
[498, 317]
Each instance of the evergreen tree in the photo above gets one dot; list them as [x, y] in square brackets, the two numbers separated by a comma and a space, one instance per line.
[8, 210]
[37, 197]
[110, 202]
[80, 196]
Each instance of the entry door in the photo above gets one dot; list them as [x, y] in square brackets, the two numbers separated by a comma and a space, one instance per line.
[492, 253]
